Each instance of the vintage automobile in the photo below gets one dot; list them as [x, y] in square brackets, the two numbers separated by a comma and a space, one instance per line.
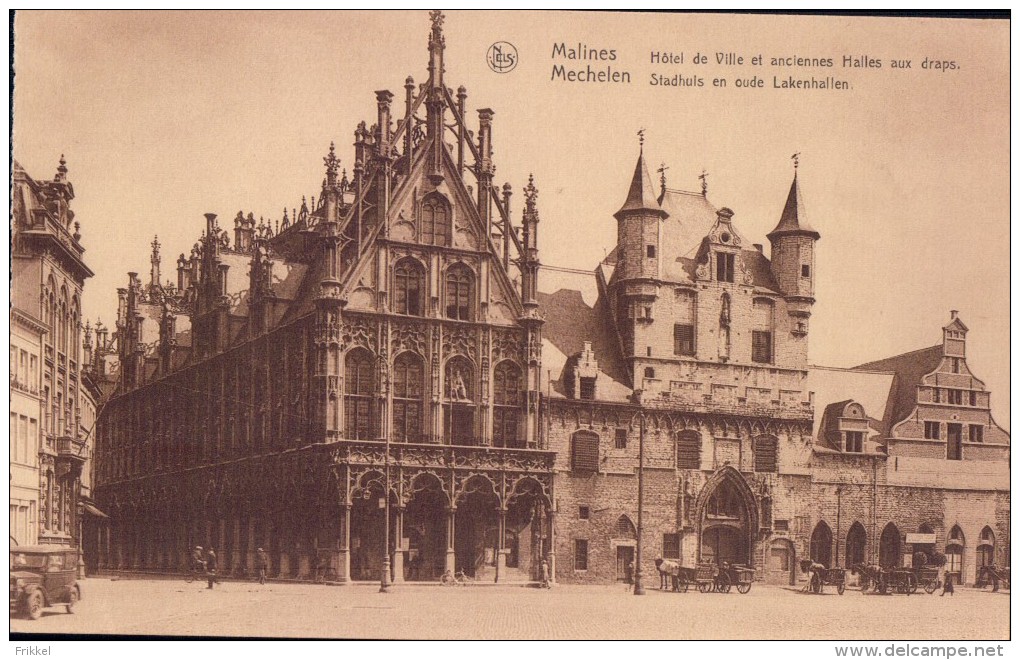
[43, 576]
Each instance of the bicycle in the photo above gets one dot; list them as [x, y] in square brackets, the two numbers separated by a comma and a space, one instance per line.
[197, 572]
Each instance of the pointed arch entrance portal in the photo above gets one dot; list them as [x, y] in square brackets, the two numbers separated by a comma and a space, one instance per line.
[728, 519]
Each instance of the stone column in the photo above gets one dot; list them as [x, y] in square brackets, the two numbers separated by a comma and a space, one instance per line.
[344, 568]
[501, 552]
[451, 557]
[237, 556]
[398, 553]
[250, 546]
[552, 547]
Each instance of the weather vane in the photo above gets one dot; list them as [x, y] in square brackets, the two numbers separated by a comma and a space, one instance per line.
[704, 182]
[796, 160]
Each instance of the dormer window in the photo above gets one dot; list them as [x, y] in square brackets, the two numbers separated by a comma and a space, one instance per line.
[724, 267]
[854, 442]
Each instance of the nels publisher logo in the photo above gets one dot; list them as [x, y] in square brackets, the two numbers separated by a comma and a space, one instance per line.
[502, 57]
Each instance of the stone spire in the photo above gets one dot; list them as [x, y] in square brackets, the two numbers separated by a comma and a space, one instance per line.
[154, 260]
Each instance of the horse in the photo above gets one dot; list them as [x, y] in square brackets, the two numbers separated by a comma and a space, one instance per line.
[669, 570]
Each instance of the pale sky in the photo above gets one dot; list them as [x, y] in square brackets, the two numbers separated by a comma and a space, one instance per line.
[164, 117]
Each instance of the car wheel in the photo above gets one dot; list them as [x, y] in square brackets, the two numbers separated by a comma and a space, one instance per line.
[34, 605]
[72, 600]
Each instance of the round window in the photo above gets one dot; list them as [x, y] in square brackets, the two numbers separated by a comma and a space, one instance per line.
[725, 237]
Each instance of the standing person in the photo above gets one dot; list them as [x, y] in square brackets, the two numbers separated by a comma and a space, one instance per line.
[545, 575]
[261, 564]
[197, 561]
[210, 567]
[947, 587]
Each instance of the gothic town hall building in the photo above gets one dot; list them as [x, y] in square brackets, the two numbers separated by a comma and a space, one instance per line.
[387, 377]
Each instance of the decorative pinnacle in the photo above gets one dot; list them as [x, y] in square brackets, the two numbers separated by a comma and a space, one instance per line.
[704, 182]
[155, 247]
[332, 164]
[530, 194]
[437, 18]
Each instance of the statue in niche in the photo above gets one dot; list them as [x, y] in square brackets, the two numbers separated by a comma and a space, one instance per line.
[458, 389]
[724, 328]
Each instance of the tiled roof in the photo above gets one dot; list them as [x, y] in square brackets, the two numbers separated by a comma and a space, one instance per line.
[909, 369]
[872, 389]
[691, 217]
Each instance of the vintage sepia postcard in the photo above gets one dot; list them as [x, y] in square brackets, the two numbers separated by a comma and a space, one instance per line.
[511, 325]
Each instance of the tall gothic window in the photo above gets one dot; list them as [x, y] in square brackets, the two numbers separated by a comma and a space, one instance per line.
[459, 409]
[435, 221]
[766, 453]
[408, 392]
[359, 390]
[506, 414]
[408, 288]
[459, 281]
[688, 450]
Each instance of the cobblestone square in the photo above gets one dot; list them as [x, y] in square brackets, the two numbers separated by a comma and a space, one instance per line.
[173, 607]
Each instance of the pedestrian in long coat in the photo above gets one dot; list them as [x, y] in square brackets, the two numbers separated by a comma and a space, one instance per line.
[261, 564]
[210, 567]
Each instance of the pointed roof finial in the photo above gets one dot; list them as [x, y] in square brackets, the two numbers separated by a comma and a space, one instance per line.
[662, 177]
[641, 139]
[530, 194]
[796, 162]
[704, 183]
[437, 18]
[155, 246]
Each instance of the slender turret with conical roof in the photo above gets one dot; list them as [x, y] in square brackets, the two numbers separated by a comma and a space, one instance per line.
[793, 255]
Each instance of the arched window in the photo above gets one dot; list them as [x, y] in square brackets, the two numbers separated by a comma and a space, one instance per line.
[688, 450]
[408, 392]
[624, 528]
[856, 542]
[821, 544]
[62, 324]
[459, 406]
[584, 452]
[359, 390]
[954, 554]
[766, 453]
[986, 548]
[435, 221]
[506, 412]
[408, 288]
[725, 503]
[459, 298]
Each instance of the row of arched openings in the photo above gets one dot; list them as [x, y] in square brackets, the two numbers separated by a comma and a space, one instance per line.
[407, 383]
[890, 552]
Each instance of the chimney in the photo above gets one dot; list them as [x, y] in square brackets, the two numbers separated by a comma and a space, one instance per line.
[952, 314]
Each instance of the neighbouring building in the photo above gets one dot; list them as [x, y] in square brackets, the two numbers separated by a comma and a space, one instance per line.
[48, 446]
[387, 376]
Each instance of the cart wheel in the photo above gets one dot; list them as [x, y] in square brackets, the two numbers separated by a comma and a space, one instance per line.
[744, 587]
[72, 600]
[930, 586]
[724, 584]
[704, 587]
[840, 588]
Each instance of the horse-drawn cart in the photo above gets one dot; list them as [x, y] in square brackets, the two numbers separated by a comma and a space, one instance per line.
[927, 578]
[710, 577]
[886, 580]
